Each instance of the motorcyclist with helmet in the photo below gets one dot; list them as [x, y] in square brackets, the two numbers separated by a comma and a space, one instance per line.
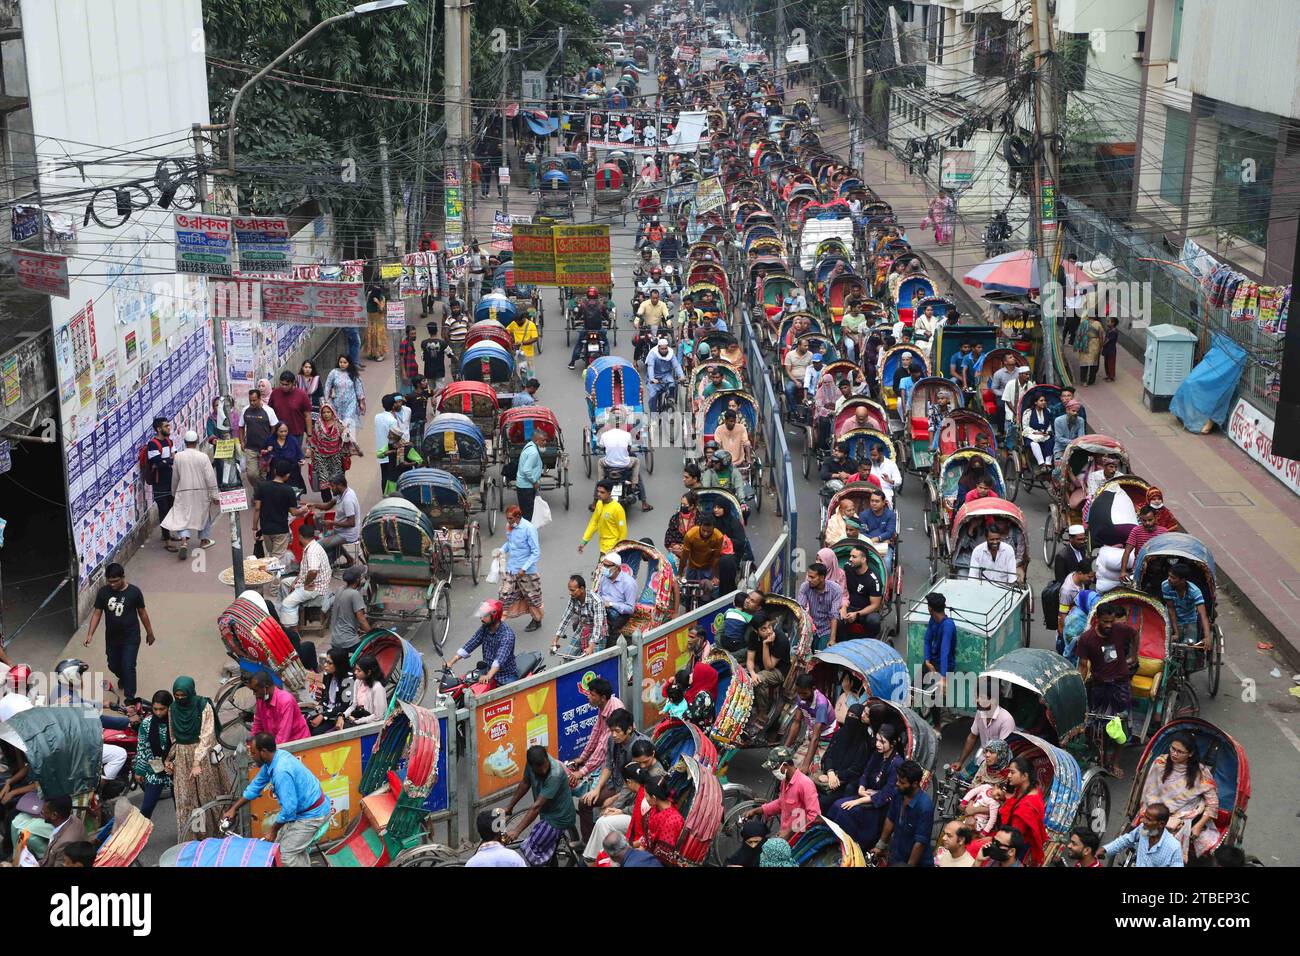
[593, 313]
[721, 473]
[497, 639]
[657, 283]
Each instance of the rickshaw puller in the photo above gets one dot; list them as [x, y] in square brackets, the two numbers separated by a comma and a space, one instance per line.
[663, 370]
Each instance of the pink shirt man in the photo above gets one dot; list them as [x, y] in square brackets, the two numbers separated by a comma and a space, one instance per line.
[796, 802]
[280, 717]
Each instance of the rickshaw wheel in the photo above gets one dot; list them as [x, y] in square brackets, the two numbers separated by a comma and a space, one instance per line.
[233, 709]
[1013, 480]
[1050, 537]
[485, 496]
[806, 465]
[1214, 667]
[898, 613]
[650, 459]
[1181, 701]
[756, 485]
[586, 451]
[428, 855]
[727, 840]
[474, 550]
[440, 615]
[1094, 808]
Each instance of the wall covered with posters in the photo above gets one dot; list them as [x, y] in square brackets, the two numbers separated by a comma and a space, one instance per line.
[132, 340]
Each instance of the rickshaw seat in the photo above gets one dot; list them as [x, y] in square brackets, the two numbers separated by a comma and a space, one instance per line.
[920, 429]
[1146, 682]
[379, 806]
[408, 572]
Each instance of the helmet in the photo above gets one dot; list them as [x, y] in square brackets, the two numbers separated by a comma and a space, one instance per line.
[711, 447]
[656, 271]
[592, 293]
[722, 459]
[70, 670]
[492, 609]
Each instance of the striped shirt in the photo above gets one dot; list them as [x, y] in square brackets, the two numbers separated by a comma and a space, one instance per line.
[457, 328]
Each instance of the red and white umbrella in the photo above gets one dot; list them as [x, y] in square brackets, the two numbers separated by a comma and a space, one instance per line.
[1013, 273]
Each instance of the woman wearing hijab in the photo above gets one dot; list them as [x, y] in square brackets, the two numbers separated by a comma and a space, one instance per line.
[311, 383]
[729, 524]
[701, 695]
[152, 751]
[753, 834]
[844, 760]
[1164, 517]
[863, 816]
[335, 694]
[327, 445]
[835, 573]
[776, 852]
[997, 757]
[824, 400]
[196, 780]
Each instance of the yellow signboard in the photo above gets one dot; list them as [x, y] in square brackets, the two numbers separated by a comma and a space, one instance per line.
[582, 256]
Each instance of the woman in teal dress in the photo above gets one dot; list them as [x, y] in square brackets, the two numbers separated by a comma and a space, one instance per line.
[152, 752]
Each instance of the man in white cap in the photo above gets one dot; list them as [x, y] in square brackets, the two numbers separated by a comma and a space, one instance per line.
[194, 491]
[617, 591]
[813, 374]
[663, 370]
[1011, 395]
[1072, 555]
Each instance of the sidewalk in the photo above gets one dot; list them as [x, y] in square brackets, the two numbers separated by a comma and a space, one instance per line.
[185, 597]
[1247, 518]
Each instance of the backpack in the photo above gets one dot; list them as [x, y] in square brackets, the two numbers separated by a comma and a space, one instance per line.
[147, 470]
[1050, 600]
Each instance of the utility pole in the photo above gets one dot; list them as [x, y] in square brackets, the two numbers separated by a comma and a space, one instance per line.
[395, 336]
[453, 99]
[505, 163]
[849, 20]
[467, 116]
[780, 40]
[219, 353]
[860, 72]
[1043, 201]
[559, 94]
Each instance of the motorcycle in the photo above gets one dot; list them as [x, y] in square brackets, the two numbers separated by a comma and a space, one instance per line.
[623, 491]
[996, 234]
[450, 685]
[592, 347]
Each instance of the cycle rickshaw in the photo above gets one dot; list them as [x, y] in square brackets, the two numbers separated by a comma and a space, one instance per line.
[453, 443]
[407, 584]
[1024, 471]
[1152, 568]
[442, 498]
[915, 421]
[538, 424]
[475, 400]
[657, 588]
[1070, 483]
[490, 363]
[613, 386]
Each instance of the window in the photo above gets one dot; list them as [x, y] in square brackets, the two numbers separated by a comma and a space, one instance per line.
[19, 158]
[1174, 161]
[990, 54]
[934, 18]
[1243, 182]
[1176, 33]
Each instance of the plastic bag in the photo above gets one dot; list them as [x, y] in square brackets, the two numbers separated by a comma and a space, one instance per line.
[496, 568]
[541, 512]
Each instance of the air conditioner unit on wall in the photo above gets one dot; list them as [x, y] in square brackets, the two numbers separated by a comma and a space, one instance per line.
[968, 18]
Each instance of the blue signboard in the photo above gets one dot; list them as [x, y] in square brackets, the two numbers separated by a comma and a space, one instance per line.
[576, 716]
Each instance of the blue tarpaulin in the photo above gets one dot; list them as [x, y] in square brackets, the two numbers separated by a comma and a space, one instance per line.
[1206, 393]
[542, 127]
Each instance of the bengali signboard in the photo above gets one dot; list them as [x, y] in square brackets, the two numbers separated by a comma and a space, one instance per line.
[42, 272]
[553, 714]
[582, 256]
[502, 226]
[313, 302]
[263, 244]
[1252, 430]
[709, 195]
[204, 245]
[534, 248]
[453, 200]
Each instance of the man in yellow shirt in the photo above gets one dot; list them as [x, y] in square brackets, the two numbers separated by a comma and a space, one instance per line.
[608, 520]
[524, 329]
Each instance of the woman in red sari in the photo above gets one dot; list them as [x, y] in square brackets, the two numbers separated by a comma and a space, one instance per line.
[663, 824]
[1024, 809]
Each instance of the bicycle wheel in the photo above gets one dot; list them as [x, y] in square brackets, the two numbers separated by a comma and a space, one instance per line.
[1050, 537]
[234, 709]
[1214, 663]
[440, 614]
[727, 840]
[1015, 477]
[1181, 701]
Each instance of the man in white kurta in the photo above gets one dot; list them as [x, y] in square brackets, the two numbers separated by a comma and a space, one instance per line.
[993, 561]
[194, 489]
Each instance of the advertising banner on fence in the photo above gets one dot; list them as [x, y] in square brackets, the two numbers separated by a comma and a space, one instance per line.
[553, 713]
[204, 245]
[42, 272]
[1252, 430]
[419, 275]
[582, 256]
[630, 129]
[338, 760]
[263, 244]
[534, 248]
[313, 303]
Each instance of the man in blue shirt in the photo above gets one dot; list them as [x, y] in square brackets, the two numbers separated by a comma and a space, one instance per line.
[1066, 429]
[303, 807]
[528, 475]
[1154, 845]
[617, 591]
[521, 582]
[907, 829]
[491, 851]
[626, 855]
[959, 365]
[528, 396]
[498, 640]
[940, 642]
[1186, 606]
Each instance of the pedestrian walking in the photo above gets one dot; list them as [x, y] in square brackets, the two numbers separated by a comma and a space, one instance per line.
[292, 405]
[1091, 335]
[121, 605]
[197, 780]
[157, 469]
[343, 390]
[194, 488]
[1110, 348]
[376, 329]
[521, 584]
